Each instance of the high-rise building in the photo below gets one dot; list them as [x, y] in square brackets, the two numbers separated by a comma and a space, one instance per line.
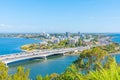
[79, 33]
[67, 34]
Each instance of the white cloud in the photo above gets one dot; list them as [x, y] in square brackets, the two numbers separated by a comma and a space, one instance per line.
[4, 26]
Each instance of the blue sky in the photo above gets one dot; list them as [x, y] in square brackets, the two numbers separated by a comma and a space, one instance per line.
[59, 16]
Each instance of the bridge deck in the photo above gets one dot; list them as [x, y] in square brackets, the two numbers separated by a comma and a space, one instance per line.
[42, 54]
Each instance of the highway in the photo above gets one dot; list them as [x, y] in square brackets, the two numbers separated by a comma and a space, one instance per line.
[9, 58]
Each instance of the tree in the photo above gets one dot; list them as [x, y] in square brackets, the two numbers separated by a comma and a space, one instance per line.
[89, 59]
[39, 77]
[71, 73]
[46, 78]
[21, 74]
[53, 76]
[3, 71]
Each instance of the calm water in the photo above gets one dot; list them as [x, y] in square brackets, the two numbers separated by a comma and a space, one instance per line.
[54, 65]
[12, 45]
[37, 67]
[117, 39]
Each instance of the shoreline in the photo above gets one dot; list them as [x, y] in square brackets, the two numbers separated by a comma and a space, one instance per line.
[116, 53]
[67, 54]
[19, 50]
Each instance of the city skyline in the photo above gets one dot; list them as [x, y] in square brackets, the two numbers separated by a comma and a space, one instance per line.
[28, 16]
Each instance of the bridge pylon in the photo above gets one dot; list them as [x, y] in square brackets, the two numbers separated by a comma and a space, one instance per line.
[63, 54]
[6, 64]
[45, 58]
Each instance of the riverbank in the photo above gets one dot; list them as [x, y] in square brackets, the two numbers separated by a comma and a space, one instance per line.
[116, 53]
[72, 54]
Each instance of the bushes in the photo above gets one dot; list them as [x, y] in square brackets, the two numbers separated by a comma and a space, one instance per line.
[21, 74]
[113, 73]
[3, 71]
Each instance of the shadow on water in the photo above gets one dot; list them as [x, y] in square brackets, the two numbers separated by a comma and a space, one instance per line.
[53, 64]
[32, 61]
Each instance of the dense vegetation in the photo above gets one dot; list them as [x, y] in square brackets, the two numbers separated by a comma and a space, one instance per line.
[112, 73]
[21, 74]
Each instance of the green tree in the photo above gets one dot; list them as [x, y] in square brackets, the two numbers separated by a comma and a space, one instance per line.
[71, 73]
[39, 77]
[53, 76]
[46, 78]
[3, 71]
[89, 59]
[21, 74]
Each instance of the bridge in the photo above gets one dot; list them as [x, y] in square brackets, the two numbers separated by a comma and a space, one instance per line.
[9, 58]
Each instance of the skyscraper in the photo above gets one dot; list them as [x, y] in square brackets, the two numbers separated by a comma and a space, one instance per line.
[79, 33]
[67, 34]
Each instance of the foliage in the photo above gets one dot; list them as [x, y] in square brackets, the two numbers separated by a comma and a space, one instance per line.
[30, 47]
[112, 48]
[39, 77]
[89, 59]
[21, 74]
[113, 73]
[3, 71]
[71, 73]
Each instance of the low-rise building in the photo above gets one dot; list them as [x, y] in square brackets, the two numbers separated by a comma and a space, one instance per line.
[72, 41]
[43, 43]
[56, 41]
